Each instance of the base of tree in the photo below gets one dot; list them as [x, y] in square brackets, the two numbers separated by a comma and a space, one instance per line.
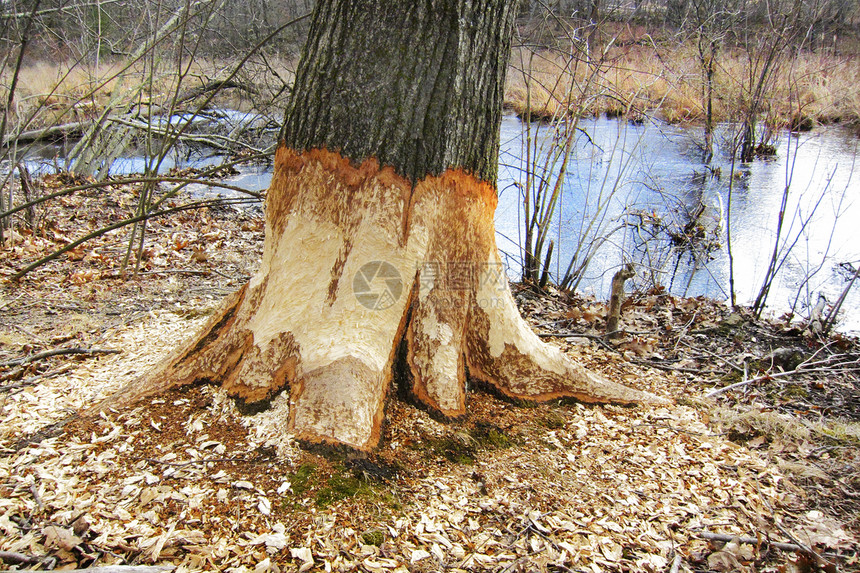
[363, 274]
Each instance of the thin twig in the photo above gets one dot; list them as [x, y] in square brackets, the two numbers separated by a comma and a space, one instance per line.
[669, 368]
[684, 330]
[726, 538]
[553, 323]
[177, 272]
[202, 179]
[28, 333]
[838, 367]
[104, 230]
[34, 379]
[8, 302]
[594, 337]
[714, 355]
[35, 491]
[57, 352]
[803, 547]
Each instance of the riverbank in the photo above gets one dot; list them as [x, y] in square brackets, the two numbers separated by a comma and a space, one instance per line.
[188, 481]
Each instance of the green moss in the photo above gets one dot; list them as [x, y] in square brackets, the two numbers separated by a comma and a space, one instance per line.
[553, 420]
[732, 376]
[457, 451]
[795, 391]
[458, 448]
[388, 500]
[462, 447]
[373, 537]
[496, 439]
[491, 438]
[342, 485]
[463, 459]
[302, 478]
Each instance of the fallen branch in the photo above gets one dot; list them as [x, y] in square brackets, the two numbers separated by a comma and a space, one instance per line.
[215, 85]
[802, 369]
[716, 391]
[670, 368]
[57, 352]
[182, 181]
[35, 379]
[213, 140]
[726, 538]
[72, 129]
[46, 433]
[61, 10]
[714, 355]
[20, 558]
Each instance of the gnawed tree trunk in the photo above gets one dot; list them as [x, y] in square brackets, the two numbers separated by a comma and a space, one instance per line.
[380, 258]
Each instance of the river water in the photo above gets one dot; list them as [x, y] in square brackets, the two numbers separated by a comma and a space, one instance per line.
[626, 184]
[622, 174]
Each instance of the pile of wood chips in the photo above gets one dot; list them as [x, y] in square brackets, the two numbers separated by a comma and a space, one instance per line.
[189, 482]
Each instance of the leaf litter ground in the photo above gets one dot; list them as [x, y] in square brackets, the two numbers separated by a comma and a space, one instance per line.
[188, 480]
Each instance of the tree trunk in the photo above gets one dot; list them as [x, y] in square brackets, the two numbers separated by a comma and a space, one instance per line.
[380, 260]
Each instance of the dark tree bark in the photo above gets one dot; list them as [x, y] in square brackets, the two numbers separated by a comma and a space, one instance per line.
[380, 260]
[416, 87]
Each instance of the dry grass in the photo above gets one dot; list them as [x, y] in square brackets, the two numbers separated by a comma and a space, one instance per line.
[775, 425]
[544, 83]
[50, 93]
[665, 81]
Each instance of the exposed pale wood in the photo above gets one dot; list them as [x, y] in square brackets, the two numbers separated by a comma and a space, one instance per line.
[503, 351]
[216, 85]
[301, 322]
[815, 325]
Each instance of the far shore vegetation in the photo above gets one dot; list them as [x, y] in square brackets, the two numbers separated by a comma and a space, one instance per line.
[662, 81]
[680, 61]
[635, 80]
